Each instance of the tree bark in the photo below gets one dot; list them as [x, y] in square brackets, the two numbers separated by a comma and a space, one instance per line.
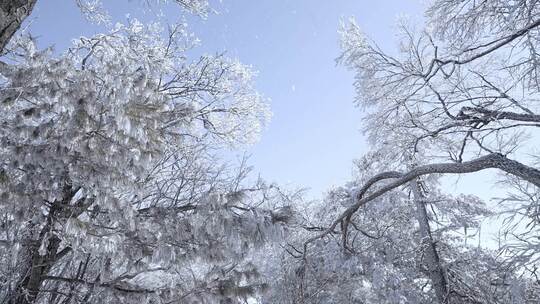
[431, 259]
[12, 15]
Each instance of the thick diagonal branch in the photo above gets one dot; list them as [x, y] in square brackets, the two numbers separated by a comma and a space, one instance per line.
[437, 64]
[491, 161]
[489, 115]
[12, 15]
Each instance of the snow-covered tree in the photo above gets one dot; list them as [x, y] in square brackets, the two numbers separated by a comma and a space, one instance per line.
[392, 251]
[110, 189]
[460, 96]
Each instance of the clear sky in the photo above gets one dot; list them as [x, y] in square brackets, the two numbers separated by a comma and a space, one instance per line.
[314, 133]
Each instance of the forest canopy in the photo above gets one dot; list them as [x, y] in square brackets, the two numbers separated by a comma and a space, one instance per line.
[114, 188]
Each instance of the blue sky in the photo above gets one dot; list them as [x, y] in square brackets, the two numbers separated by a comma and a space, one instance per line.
[314, 133]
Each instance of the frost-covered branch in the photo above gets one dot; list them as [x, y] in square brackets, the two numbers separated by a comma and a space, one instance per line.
[492, 161]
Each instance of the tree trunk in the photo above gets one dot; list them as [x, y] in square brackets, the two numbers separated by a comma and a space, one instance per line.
[431, 257]
[39, 264]
[29, 287]
[12, 15]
